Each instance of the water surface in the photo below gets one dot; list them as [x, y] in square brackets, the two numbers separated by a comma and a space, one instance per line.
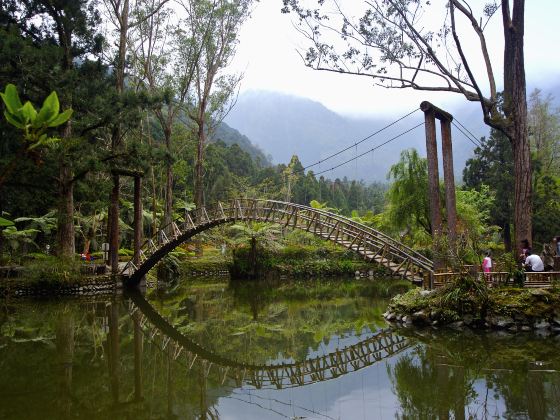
[307, 349]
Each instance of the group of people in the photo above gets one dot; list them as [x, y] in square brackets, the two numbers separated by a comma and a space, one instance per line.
[531, 262]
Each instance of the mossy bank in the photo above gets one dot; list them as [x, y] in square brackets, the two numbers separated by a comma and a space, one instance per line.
[468, 302]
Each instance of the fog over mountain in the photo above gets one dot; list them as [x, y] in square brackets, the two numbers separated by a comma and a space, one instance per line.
[284, 125]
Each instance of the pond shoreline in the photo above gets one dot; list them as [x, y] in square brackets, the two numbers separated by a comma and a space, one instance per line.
[469, 304]
[98, 285]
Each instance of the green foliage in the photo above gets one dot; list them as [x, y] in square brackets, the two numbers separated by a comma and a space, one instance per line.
[470, 296]
[492, 167]
[5, 222]
[51, 271]
[408, 207]
[34, 124]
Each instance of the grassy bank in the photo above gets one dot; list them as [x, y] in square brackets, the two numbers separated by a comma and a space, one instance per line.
[469, 302]
[300, 262]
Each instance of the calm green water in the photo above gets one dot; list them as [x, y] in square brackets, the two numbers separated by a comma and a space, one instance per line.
[211, 350]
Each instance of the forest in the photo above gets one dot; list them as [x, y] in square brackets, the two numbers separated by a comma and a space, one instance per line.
[147, 86]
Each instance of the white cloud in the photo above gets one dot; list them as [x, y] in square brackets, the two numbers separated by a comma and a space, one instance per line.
[267, 54]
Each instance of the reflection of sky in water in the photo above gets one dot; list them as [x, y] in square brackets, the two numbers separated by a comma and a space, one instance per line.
[510, 376]
[364, 394]
[336, 342]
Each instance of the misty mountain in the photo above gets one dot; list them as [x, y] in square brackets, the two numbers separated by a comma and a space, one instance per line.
[284, 125]
[230, 136]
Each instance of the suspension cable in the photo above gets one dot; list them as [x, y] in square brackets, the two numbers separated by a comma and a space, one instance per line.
[371, 150]
[472, 136]
[361, 141]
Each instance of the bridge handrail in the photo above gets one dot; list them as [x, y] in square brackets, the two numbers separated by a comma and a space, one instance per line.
[348, 221]
[420, 259]
[219, 212]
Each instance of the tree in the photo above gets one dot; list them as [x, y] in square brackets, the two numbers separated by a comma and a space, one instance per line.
[60, 40]
[118, 12]
[215, 25]
[544, 133]
[165, 55]
[492, 166]
[394, 45]
[291, 175]
[408, 207]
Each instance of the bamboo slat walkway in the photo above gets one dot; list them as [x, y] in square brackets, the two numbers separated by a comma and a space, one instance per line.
[371, 244]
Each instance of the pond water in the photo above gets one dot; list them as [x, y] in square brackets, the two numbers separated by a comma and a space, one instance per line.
[306, 349]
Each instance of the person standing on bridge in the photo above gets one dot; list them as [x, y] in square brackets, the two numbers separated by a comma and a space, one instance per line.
[487, 263]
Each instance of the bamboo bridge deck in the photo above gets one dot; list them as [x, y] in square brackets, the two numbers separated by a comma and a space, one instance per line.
[371, 244]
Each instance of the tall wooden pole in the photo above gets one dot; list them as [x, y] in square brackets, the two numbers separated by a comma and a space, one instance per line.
[433, 171]
[114, 226]
[449, 180]
[137, 219]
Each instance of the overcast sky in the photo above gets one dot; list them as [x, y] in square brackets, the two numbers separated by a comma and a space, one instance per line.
[267, 54]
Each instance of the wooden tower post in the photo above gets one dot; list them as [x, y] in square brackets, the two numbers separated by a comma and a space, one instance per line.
[433, 171]
[432, 112]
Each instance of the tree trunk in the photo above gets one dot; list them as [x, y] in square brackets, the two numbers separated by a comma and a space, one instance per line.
[154, 201]
[114, 206]
[65, 233]
[253, 257]
[138, 225]
[515, 110]
[507, 237]
[199, 173]
[168, 212]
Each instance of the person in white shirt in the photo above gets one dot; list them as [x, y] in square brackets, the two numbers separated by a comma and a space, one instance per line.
[533, 262]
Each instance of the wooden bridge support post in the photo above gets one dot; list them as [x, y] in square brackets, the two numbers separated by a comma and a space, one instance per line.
[449, 180]
[433, 174]
[432, 112]
[137, 219]
[114, 226]
[433, 171]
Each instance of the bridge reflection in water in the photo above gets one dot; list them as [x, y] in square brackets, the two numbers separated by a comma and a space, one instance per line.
[381, 345]
[456, 375]
[111, 358]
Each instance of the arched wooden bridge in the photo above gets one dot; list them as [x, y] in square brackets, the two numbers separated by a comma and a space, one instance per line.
[373, 245]
[380, 346]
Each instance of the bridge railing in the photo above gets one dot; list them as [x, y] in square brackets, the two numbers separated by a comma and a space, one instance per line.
[285, 213]
[346, 223]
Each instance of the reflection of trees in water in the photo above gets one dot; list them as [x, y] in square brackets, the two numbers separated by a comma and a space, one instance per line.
[64, 330]
[434, 380]
[442, 376]
[529, 390]
[428, 387]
